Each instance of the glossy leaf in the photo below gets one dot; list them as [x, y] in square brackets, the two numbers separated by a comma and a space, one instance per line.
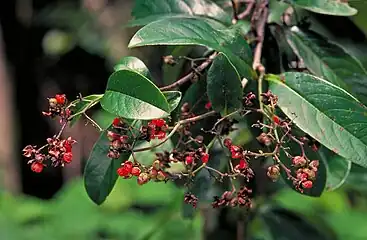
[329, 7]
[173, 99]
[326, 112]
[132, 95]
[79, 106]
[337, 168]
[357, 178]
[100, 171]
[134, 64]
[329, 61]
[147, 11]
[193, 31]
[224, 86]
[286, 225]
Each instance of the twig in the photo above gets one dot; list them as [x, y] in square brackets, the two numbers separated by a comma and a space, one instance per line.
[249, 7]
[62, 129]
[190, 75]
[93, 122]
[176, 127]
[260, 29]
[234, 9]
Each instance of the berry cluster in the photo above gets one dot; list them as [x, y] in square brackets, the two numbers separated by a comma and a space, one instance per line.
[306, 172]
[58, 153]
[192, 158]
[157, 129]
[58, 107]
[248, 99]
[144, 175]
[240, 198]
[269, 98]
[119, 140]
[238, 153]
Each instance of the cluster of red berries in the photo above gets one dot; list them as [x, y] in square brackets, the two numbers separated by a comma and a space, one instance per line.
[157, 128]
[192, 158]
[119, 140]
[144, 175]
[248, 99]
[240, 198]
[58, 152]
[238, 153]
[57, 107]
[306, 172]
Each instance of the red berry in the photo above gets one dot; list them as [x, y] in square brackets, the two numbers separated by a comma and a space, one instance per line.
[160, 135]
[208, 105]
[227, 142]
[123, 171]
[276, 120]
[299, 161]
[112, 136]
[37, 167]
[143, 178]
[67, 157]
[189, 160]
[67, 146]
[302, 176]
[204, 157]
[242, 164]
[236, 152]
[159, 122]
[307, 184]
[116, 122]
[128, 165]
[135, 171]
[60, 99]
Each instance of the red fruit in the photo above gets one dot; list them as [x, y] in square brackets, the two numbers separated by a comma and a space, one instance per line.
[37, 167]
[302, 176]
[68, 157]
[135, 171]
[307, 184]
[276, 120]
[60, 99]
[204, 157]
[67, 146]
[159, 122]
[128, 165]
[160, 135]
[112, 136]
[143, 178]
[242, 164]
[116, 122]
[123, 171]
[208, 105]
[299, 161]
[189, 160]
[227, 142]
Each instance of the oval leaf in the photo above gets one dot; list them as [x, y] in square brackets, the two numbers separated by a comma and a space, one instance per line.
[337, 168]
[224, 86]
[133, 64]
[146, 11]
[100, 171]
[79, 106]
[173, 99]
[194, 31]
[329, 61]
[131, 95]
[326, 112]
[329, 7]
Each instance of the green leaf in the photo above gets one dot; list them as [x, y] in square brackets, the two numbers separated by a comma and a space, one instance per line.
[326, 112]
[100, 171]
[224, 86]
[286, 225]
[173, 99]
[133, 96]
[357, 178]
[329, 61]
[133, 64]
[337, 168]
[146, 11]
[82, 105]
[194, 31]
[276, 10]
[329, 7]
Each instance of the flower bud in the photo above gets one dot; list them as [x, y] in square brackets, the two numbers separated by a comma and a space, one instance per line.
[143, 178]
[299, 161]
[112, 136]
[52, 102]
[307, 184]
[116, 144]
[37, 167]
[273, 172]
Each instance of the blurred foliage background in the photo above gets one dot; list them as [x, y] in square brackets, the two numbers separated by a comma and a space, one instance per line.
[47, 47]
